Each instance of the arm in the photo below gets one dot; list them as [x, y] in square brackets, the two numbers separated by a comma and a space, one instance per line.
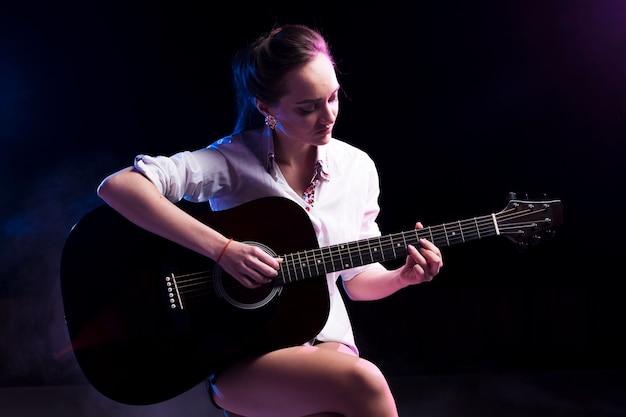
[137, 199]
[421, 266]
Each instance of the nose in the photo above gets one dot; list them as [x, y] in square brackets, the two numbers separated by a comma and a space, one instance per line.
[329, 116]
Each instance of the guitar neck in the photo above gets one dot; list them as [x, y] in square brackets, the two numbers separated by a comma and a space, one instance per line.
[315, 262]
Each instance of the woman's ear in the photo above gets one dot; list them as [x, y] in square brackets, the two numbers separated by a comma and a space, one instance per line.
[265, 110]
[262, 107]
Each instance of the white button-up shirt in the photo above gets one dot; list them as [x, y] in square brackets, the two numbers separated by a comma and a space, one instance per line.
[240, 168]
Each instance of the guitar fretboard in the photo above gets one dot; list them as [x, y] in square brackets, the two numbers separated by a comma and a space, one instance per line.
[315, 262]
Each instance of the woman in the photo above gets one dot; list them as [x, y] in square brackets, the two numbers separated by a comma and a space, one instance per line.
[282, 145]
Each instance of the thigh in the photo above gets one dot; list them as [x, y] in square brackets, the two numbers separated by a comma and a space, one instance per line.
[295, 381]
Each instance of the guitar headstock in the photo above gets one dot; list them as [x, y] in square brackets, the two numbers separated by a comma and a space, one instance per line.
[522, 220]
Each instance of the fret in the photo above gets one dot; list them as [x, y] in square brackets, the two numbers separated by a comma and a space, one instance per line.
[438, 236]
[335, 258]
[377, 250]
[307, 264]
[404, 244]
[338, 258]
[404, 241]
[413, 237]
[477, 228]
[298, 265]
[325, 257]
[386, 249]
[372, 250]
[316, 261]
[470, 229]
[346, 260]
[359, 252]
[488, 227]
[397, 247]
[453, 233]
[364, 251]
[354, 252]
[430, 232]
[445, 233]
[290, 275]
[390, 249]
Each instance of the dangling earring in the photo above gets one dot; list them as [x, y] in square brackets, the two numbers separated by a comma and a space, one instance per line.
[270, 121]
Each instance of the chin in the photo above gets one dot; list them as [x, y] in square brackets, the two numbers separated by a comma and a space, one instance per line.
[326, 138]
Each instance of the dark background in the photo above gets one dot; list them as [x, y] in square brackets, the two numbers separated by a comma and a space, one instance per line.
[458, 102]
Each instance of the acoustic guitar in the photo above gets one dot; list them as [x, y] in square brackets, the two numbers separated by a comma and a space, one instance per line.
[149, 319]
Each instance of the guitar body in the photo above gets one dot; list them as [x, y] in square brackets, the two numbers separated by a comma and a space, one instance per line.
[138, 341]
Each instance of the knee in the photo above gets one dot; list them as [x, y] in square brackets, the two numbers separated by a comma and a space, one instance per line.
[365, 378]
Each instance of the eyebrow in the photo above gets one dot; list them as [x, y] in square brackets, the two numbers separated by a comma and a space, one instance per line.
[315, 100]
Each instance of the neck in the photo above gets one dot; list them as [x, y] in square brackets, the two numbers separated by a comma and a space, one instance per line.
[294, 154]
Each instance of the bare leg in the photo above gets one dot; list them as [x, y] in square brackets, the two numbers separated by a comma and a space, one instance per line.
[326, 380]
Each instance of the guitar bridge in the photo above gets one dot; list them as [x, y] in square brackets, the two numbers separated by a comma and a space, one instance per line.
[173, 294]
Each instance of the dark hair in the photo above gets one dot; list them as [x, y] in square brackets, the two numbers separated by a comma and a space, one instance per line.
[259, 68]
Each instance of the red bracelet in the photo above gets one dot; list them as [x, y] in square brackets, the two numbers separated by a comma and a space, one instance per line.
[219, 258]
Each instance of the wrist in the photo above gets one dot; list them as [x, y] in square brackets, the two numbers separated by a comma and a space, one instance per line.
[219, 258]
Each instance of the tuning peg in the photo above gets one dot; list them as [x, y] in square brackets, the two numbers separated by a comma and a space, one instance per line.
[522, 247]
[511, 196]
[535, 240]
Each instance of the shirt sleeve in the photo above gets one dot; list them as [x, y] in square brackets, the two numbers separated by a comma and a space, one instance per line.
[195, 176]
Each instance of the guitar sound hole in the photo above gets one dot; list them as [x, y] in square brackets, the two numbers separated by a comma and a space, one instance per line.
[245, 295]
[242, 297]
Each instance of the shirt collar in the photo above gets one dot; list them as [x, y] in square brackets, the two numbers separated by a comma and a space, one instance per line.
[321, 165]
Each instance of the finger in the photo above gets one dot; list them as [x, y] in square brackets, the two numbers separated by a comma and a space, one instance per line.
[429, 261]
[420, 261]
[422, 271]
[259, 277]
[250, 283]
[263, 273]
[427, 246]
[416, 255]
[425, 243]
[267, 264]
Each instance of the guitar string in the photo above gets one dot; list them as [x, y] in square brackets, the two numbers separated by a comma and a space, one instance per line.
[201, 278]
[197, 284]
[340, 253]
